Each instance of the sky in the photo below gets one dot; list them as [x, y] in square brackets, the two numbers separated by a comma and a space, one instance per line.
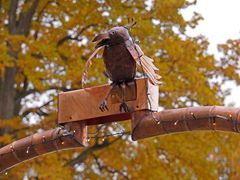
[221, 22]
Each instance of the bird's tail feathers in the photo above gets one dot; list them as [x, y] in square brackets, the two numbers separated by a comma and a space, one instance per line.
[150, 71]
[148, 67]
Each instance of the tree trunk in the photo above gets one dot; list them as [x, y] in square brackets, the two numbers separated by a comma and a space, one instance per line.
[7, 93]
[8, 107]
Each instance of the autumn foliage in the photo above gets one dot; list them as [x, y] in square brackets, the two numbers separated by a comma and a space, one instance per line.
[44, 46]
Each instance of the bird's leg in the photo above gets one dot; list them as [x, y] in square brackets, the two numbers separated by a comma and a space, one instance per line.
[106, 74]
[128, 81]
[103, 105]
[123, 105]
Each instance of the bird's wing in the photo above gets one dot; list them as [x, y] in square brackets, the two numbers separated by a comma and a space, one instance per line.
[88, 64]
[145, 62]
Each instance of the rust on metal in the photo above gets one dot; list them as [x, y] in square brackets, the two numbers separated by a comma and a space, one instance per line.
[147, 124]
[83, 104]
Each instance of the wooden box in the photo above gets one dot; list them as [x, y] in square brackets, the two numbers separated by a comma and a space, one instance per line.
[83, 104]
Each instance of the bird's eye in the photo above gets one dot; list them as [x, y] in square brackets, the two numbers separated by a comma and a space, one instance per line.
[113, 32]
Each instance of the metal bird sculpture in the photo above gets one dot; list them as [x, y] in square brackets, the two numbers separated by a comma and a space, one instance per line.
[120, 57]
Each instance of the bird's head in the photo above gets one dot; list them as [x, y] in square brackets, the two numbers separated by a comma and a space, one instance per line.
[113, 36]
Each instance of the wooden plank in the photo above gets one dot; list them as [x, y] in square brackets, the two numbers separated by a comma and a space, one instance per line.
[83, 104]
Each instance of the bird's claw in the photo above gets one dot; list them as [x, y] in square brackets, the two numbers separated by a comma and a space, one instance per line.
[103, 106]
[124, 107]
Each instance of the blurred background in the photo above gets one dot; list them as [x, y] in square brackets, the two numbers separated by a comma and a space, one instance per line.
[195, 44]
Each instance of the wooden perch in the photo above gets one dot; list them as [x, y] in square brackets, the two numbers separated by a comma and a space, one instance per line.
[83, 104]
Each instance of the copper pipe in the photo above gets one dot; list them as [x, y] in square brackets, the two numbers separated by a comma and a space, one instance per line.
[147, 124]
[144, 124]
[71, 136]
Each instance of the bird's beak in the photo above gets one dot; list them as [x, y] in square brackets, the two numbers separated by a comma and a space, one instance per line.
[101, 36]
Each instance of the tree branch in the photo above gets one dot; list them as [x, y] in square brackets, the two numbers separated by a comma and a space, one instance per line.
[25, 19]
[69, 37]
[37, 110]
[12, 22]
[107, 168]
[82, 157]
[0, 5]
[39, 16]
[42, 10]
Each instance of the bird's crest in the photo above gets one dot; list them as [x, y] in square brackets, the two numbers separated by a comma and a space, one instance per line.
[131, 24]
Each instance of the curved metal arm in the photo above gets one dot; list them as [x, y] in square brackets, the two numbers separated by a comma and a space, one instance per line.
[147, 123]
[41, 143]
[144, 123]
